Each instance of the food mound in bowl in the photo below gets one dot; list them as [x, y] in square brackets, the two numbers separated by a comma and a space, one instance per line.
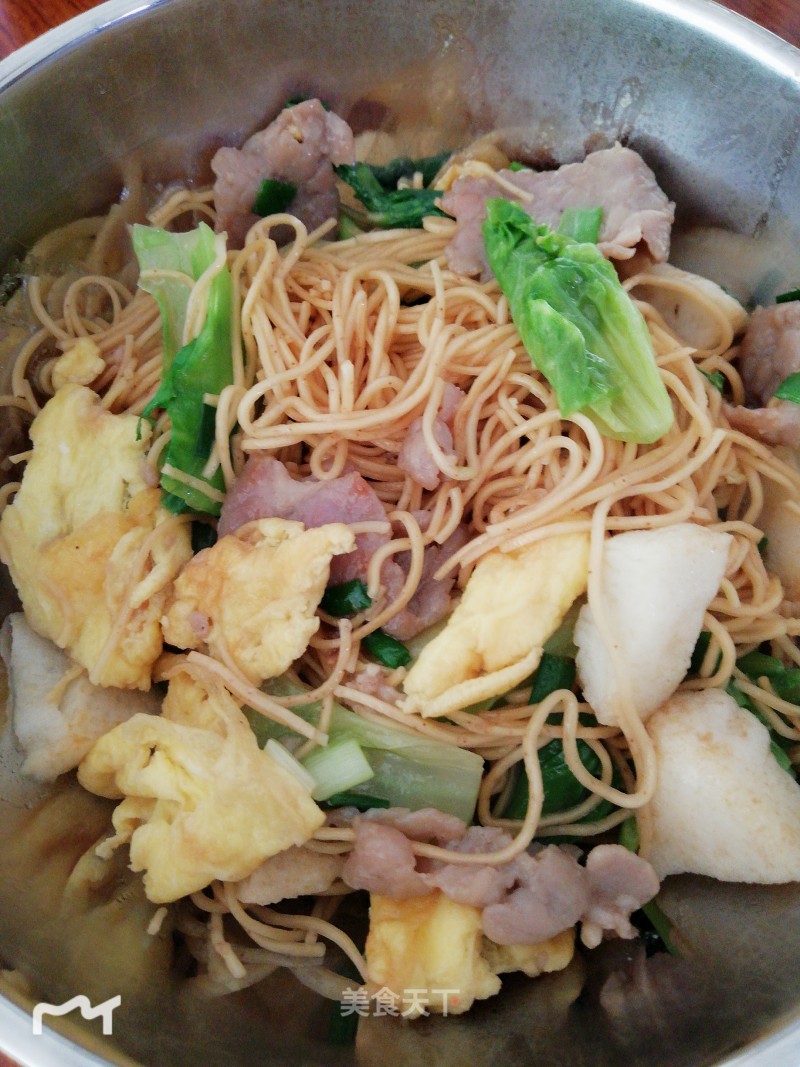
[408, 528]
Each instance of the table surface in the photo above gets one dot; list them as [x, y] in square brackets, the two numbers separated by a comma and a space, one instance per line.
[23, 20]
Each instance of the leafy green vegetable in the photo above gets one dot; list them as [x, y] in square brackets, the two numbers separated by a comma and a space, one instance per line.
[176, 253]
[273, 197]
[203, 536]
[778, 744]
[553, 673]
[789, 389]
[348, 228]
[717, 379]
[348, 598]
[386, 649]
[409, 771]
[390, 174]
[203, 366]
[789, 295]
[578, 325]
[562, 790]
[388, 208]
[581, 224]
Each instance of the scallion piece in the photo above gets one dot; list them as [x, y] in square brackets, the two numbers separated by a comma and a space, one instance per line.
[362, 801]
[387, 650]
[788, 296]
[337, 768]
[348, 598]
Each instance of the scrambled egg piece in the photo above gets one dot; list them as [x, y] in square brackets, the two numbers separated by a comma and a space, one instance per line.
[74, 536]
[552, 955]
[201, 800]
[493, 640]
[81, 363]
[254, 594]
[434, 946]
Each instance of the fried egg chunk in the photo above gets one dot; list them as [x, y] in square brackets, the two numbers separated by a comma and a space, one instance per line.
[435, 947]
[253, 595]
[89, 547]
[493, 641]
[200, 800]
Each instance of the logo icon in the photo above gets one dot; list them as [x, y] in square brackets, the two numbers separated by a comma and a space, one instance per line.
[87, 1011]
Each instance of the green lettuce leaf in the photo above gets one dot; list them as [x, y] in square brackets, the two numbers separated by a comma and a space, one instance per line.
[578, 324]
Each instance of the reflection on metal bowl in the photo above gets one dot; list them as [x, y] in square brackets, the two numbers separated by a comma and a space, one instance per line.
[713, 104]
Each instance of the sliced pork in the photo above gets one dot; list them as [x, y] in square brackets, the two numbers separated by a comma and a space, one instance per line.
[382, 861]
[265, 489]
[769, 353]
[527, 900]
[620, 882]
[295, 872]
[432, 599]
[770, 349]
[299, 147]
[415, 457]
[635, 210]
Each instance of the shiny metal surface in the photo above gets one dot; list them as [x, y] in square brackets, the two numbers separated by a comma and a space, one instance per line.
[713, 103]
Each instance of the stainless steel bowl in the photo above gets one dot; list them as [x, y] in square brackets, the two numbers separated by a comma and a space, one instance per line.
[713, 103]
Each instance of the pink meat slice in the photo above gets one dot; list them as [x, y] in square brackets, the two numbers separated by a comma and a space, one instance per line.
[415, 457]
[769, 353]
[635, 209]
[527, 900]
[299, 147]
[265, 489]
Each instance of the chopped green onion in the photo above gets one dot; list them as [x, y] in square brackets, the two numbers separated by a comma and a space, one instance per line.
[362, 801]
[517, 166]
[337, 767]
[343, 1025]
[629, 838]
[789, 295]
[386, 650]
[762, 545]
[789, 389]
[348, 598]
[629, 834]
[273, 197]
